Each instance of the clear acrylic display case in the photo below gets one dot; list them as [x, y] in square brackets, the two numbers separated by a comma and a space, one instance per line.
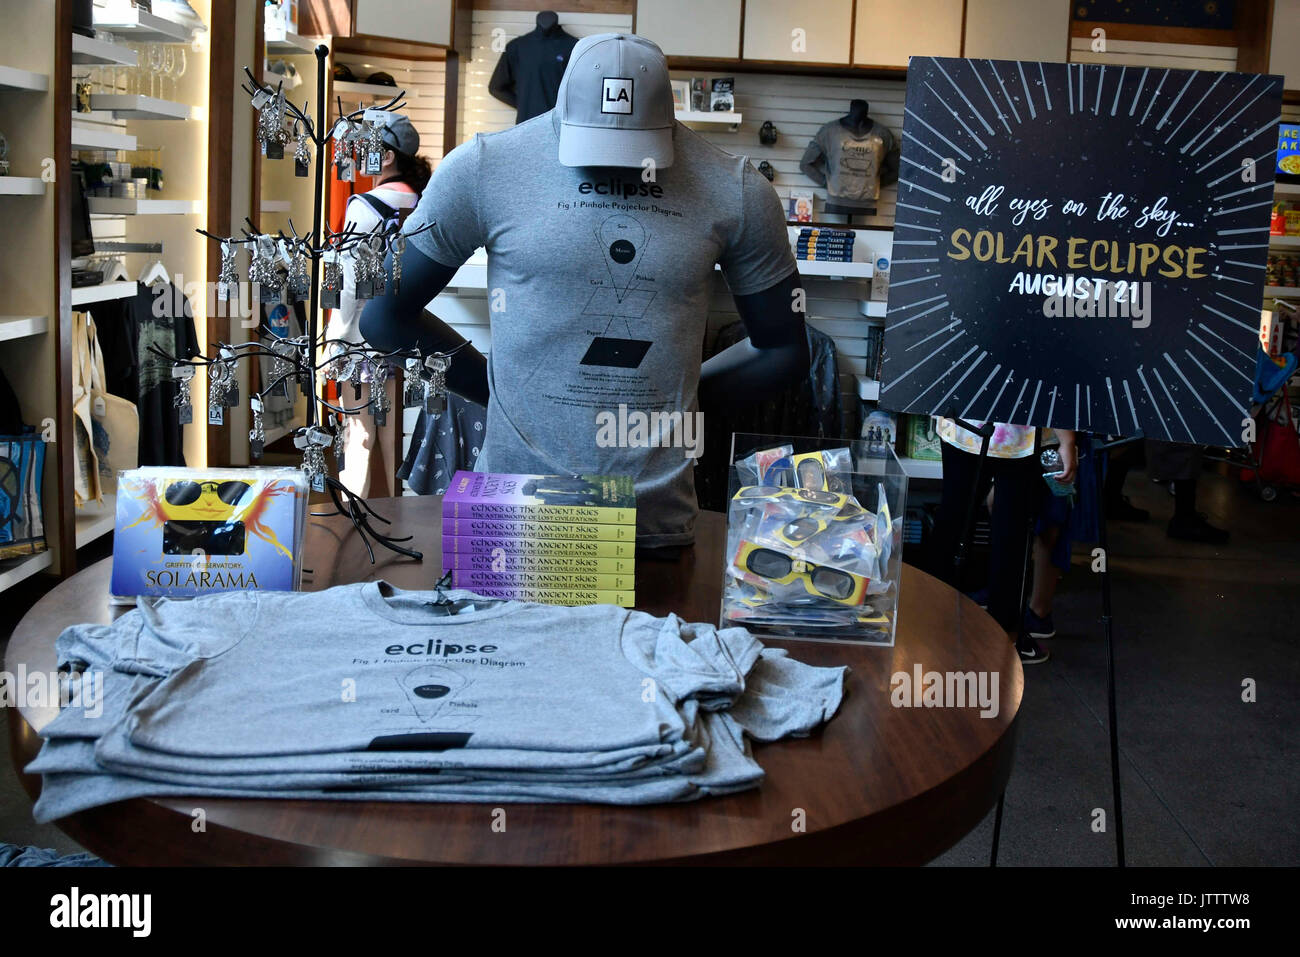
[814, 539]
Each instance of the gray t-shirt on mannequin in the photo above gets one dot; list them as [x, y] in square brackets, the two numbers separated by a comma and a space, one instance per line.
[599, 285]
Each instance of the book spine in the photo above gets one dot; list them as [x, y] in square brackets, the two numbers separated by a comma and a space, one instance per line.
[535, 547]
[589, 514]
[474, 579]
[503, 562]
[560, 596]
[509, 528]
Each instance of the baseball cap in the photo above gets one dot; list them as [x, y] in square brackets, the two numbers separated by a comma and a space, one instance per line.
[399, 134]
[615, 103]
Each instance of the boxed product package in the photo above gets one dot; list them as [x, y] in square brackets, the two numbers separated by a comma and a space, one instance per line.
[922, 440]
[879, 430]
[182, 533]
[722, 97]
[814, 540]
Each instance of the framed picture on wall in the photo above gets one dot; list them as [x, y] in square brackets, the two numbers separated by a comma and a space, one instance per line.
[681, 95]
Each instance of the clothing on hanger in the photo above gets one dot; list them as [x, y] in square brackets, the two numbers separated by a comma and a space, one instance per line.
[851, 163]
[155, 316]
[528, 74]
[443, 445]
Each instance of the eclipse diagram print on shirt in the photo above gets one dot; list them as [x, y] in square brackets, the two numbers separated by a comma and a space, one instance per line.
[618, 297]
[430, 687]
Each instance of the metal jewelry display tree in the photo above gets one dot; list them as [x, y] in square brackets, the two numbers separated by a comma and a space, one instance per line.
[297, 359]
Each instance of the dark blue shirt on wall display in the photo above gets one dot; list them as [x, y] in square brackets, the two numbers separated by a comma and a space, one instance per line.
[530, 69]
[1081, 246]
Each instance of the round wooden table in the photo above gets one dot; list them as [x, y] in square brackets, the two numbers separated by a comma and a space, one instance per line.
[879, 785]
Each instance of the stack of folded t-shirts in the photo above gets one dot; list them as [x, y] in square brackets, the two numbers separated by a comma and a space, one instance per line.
[368, 692]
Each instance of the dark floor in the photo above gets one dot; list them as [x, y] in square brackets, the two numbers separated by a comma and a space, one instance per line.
[1207, 778]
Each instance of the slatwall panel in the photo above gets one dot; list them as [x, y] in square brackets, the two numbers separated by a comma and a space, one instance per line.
[479, 111]
[798, 107]
[425, 82]
[1175, 56]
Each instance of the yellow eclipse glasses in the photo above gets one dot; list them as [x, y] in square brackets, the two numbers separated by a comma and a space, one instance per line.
[822, 581]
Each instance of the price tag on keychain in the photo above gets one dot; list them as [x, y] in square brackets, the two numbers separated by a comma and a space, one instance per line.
[374, 121]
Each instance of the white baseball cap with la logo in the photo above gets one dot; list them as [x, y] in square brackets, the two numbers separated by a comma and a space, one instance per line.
[615, 104]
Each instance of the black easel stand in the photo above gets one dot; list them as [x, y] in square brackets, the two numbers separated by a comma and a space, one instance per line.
[1100, 452]
[985, 432]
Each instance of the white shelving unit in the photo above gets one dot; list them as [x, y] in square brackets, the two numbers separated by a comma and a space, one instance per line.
[1284, 242]
[88, 50]
[22, 186]
[1282, 292]
[12, 78]
[137, 106]
[1286, 189]
[276, 206]
[872, 308]
[291, 44]
[14, 570]
[868, 389]
[371, 89]
[143, 207]
[85, 295]
[95, 520]
[141, 26]
[98, 136]
[730, 120]
[820, 267]
[18, 327]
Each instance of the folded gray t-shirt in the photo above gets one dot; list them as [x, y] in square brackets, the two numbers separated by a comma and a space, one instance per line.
[240, 695]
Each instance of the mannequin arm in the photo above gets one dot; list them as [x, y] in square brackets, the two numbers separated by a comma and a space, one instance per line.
[502, 83]
[399, 321]
[774, 356]
[811, 163]
[889, 168]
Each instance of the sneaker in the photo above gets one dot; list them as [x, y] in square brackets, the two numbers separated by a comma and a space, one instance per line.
[1126, 511]
[1037, 627]
[1031, 652]
[980, 597]
[1196, 529]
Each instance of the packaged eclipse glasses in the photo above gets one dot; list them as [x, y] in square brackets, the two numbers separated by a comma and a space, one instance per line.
[806, 557]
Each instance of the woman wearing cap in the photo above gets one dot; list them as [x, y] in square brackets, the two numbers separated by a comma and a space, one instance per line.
[369, 459]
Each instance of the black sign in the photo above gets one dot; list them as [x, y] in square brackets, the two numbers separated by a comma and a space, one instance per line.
[1081, 246]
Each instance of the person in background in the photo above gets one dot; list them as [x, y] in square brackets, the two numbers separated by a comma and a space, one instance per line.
[1062, 521]
[1015, 476]
[369, 460]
